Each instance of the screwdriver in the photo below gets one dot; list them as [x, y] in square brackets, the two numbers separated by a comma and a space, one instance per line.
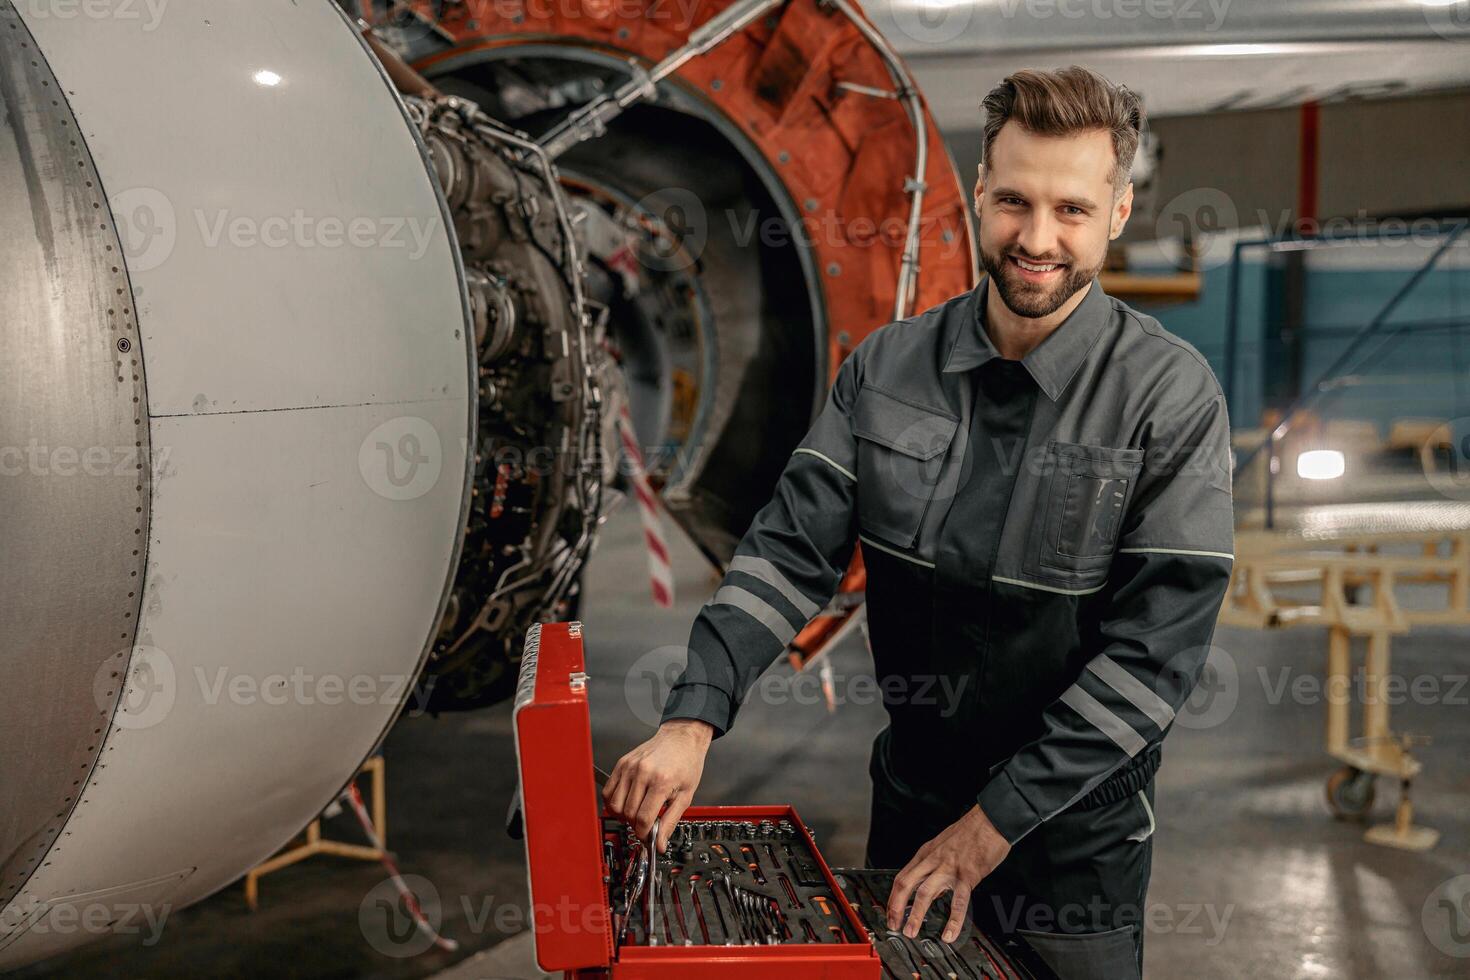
[753, 862]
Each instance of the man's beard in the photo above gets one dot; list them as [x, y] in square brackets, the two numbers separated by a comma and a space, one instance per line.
[1032, 300]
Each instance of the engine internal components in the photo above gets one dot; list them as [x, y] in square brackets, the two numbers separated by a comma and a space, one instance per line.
[537, 466]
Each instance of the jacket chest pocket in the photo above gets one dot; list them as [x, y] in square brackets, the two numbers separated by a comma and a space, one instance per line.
[1083, 507]
[901, 450]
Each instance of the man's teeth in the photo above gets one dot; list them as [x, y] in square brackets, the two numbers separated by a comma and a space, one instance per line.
[1033, 267]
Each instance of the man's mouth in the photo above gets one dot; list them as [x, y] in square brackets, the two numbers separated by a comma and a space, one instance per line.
[1035, 271]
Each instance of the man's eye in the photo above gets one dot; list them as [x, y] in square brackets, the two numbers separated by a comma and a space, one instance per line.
[1011, 201]
[1073, 210]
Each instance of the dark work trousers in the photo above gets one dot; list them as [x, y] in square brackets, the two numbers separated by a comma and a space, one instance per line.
[1073, 888]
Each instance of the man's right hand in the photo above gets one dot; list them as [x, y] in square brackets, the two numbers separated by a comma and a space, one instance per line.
[663, 770]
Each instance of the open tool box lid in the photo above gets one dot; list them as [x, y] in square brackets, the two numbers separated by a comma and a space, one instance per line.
[563, 813]
[561, 807]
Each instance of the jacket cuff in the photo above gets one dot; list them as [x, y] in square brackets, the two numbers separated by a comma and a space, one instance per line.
[1007, 809]
[701, 702]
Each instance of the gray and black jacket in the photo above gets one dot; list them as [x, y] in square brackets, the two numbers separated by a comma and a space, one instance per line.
[1047, 544]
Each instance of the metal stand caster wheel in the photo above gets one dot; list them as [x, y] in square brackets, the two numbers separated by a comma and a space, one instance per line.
[1350, 793]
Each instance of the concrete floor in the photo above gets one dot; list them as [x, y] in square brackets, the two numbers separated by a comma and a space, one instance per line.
[1251, 876]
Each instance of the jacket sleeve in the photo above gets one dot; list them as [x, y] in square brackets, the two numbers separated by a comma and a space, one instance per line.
[784, 571]
[1151, 632]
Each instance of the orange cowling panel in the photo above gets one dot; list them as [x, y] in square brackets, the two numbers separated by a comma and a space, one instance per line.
[815, 635]
[842, 155]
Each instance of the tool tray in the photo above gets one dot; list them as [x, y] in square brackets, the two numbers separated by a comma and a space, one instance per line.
[742, 891]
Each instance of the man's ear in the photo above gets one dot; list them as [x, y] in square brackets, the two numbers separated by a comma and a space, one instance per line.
[979, 190]
[1122, 211]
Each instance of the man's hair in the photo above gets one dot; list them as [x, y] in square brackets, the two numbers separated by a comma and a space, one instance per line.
[1064, 102]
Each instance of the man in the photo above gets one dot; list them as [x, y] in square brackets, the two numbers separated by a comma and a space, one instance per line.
[1040, 480]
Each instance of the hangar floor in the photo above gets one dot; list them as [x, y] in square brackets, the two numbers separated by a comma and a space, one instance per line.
[1251, 876]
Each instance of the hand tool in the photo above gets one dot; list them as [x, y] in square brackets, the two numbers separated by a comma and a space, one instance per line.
[631, 895]
[753, 862]
[934, 956]
[679, 924]
[783, 928]
[790, 891]
[811, 934]
[911, 966]
[734, 907]
[649, 852]
[714, 894]
[990, 957]
[698, 906]
[953, 957]
[723, 853]
[771, 853]
[878, 906]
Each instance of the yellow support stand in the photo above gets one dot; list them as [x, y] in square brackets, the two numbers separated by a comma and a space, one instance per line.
[315, 844]
[1267, 561]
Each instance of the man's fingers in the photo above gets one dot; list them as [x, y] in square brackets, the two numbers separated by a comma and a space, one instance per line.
[610, 790]
[903, 886]
[653, 801]
[622, 783]
[959, 904]
[932, 887]
[671, 816]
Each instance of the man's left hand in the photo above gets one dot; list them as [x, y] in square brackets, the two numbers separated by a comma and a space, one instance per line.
[955, 861]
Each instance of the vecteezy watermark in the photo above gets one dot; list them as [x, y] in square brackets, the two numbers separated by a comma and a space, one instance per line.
[401, 459]
[1216, 691]
[1184, 918]
[932, 21]
[1207, 15]
[303, 230]
[147, 226]
[681, 227]
[301, 687]
[149, 229]
[149, 687]
[1190, 228]
[1446, 456]
[387, 920]
[1446, 917]
[94, 918]
[1450, 19]
[148, 13]
[678, 227]
[1308, 689]
[36, 458]
[678, 15]
[651, 678]
[144, 683]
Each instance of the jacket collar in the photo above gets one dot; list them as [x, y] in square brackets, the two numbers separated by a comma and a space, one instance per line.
[1052, 363]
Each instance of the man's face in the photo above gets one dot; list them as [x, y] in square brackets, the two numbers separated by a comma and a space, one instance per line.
[1047, 212]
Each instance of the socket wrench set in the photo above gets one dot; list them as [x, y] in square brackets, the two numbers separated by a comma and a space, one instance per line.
[741, 892]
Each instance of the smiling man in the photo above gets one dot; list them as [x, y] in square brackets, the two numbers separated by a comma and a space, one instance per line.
[1039, 476]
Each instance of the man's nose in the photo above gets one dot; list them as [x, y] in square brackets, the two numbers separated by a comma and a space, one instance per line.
[1038, 236]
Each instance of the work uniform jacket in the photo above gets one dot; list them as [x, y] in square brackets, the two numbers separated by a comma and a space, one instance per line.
[1047, 545]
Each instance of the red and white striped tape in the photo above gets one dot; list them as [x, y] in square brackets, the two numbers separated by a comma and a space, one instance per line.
[660, 572]
[410, 901]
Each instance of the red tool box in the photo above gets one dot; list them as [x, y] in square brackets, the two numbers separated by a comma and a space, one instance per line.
[580, 863]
